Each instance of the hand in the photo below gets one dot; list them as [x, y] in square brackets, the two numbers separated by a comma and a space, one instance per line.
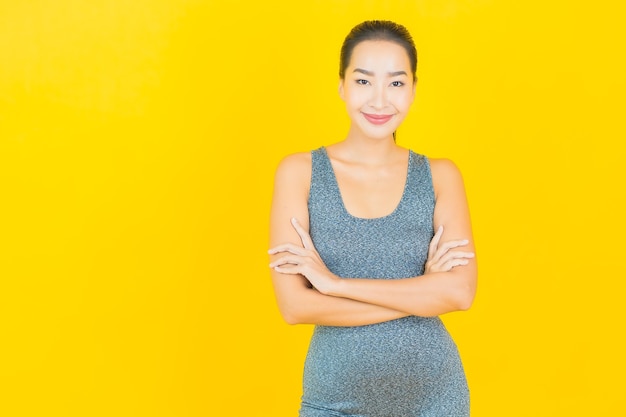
[442, 258]
[304, 261]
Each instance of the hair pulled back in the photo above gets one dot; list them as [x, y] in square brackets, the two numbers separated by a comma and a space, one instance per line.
[377, 30]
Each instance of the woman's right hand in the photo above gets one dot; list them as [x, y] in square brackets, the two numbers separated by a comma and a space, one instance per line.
[441, 258]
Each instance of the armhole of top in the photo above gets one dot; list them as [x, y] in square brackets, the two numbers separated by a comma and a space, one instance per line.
[314, 156]
[430, 178]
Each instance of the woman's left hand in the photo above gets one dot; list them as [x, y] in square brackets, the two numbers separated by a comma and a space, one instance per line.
[304, 261]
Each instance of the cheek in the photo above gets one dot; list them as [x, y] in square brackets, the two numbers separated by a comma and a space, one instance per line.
[404, 98]
[355, 97]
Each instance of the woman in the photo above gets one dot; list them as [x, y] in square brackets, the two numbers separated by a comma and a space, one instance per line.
[371, 242]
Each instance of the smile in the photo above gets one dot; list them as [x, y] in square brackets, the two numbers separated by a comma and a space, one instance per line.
[377, 119]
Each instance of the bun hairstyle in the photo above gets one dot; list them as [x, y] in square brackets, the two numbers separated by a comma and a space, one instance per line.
[377, 30]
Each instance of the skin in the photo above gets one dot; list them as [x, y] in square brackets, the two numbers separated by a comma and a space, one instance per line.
[371, 172]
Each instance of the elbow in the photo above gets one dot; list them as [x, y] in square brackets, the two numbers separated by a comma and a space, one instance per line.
[460, 295]
[291, 314]
[291, 319]
[464, 298]
[294, 305]
[464, 291]
[465, 303]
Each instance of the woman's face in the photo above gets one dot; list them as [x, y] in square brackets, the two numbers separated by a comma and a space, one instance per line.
[378, 88]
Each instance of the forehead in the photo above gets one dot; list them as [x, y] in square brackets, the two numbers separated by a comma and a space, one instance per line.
[380, 54]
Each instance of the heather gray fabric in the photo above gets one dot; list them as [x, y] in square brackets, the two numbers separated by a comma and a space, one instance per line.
[400, 368]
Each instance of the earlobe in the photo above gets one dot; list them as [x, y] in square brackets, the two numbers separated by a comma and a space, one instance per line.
[340, 88]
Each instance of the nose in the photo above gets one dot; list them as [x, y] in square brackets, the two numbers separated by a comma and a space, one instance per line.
[379, 97]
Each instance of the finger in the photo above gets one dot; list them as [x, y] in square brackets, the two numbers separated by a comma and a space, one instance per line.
[288, 247]
[445, 247]
[304, 235]
[453, 263]
[294, 260]
[454, 259]
[449, 257]
[287, 259]
[288, 269]
[432, 248]
[455, 255]
[454, 244]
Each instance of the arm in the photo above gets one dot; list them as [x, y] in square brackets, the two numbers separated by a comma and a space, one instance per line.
[297, 301]
[431, 294]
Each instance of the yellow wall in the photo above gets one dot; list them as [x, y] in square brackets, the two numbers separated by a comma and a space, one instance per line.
[138, 141]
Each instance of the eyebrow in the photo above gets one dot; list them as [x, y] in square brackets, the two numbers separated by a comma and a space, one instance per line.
[371, 73]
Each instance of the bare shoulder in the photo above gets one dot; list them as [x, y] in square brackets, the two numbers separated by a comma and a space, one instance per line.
[445, 173]
[295, 164]
[294, 172]
[443, 167]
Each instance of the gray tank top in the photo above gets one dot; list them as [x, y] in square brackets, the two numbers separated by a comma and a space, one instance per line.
[408, 367]
[390, 247]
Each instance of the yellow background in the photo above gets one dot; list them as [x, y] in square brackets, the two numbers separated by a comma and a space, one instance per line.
[138, 141]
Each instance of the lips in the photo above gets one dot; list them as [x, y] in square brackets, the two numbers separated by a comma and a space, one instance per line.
[377, 119]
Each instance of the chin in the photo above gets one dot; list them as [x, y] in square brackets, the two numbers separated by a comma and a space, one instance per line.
[378, 134]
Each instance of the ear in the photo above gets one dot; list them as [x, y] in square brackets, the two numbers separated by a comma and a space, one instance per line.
[340, 89]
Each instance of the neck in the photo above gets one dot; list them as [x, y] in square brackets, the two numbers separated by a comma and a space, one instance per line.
[369, 150]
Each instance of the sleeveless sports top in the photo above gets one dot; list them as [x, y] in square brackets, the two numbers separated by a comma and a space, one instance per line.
[407, 367]
[393, 246]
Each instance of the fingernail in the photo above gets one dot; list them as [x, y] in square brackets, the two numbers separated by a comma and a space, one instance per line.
[294, 220]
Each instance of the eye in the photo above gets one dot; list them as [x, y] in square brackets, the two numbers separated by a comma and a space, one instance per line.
[397, 83]
[362, 82]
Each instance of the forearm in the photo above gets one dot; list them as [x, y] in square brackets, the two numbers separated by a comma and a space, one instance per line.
[309, 306]
[427, 295]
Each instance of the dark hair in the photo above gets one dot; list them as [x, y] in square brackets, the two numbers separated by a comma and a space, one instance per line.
[377, 30]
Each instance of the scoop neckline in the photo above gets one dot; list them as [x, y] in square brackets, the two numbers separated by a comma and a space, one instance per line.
[386, 216]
